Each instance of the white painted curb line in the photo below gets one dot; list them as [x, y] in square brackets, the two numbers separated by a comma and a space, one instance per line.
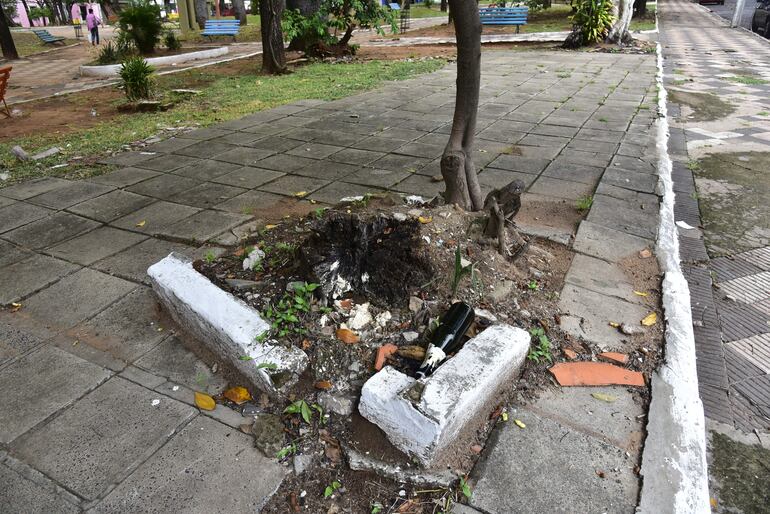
[112, 70]
[674, 469]
[453, 397]
[225, 324]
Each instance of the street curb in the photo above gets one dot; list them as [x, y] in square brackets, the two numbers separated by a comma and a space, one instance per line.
[674, 468]
[727, 24]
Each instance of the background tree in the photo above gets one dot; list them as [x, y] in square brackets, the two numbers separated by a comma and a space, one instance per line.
[443, 5]
[6, 39]
[202, 12]
[457, 168]
[640, 8]
[273, 56]
[622, 11]
[240, 11]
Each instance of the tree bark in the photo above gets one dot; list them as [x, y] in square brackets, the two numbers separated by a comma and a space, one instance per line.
[640, 8]
[240, 11]
[622, 10]
[443, 5]
[346, 36]
[306, 8]
[6, 39]
[273, 57]
[457, 168]
[201, 12]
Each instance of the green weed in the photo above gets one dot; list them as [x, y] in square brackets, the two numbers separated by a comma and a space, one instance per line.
[584, 203]
[543, 348]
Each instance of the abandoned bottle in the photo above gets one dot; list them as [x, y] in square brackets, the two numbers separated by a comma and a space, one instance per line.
[448, 337]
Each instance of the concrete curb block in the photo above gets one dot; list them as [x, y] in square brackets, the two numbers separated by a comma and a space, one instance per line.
[460, 390]
[674, 469]
[112, 70]
[225, 324]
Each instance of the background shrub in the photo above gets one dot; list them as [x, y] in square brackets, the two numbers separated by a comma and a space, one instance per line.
[171, 41]
[591, 22]
[140, 22]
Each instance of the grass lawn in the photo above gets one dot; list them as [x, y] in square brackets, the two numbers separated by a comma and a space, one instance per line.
[29, 44]
[222, 98]
[421, 11]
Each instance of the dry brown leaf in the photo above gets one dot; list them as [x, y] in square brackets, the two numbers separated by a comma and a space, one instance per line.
[347, 336]
[413, 352]
[346, 304]
[239, 252]
[204, 401]
[408, 507]
[237, 395]
[245, 428]
[306, 344]
[323, 384]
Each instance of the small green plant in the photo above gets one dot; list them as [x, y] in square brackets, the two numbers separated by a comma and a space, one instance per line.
[171, 41]
[459, 271]
[331, 488]
[747, 80]
[533, 285]
[267, 365]
[376, 508]
[603, 120]
[136, 80]
[564, 75]
[108, 54]
[591, 21]
[584, 203]
[319, 212]
[302, 408]
[693, 165]
[465, 488]
[284, 315]
[286, 451]
[763, 113]
[210, 257]
[543, 348]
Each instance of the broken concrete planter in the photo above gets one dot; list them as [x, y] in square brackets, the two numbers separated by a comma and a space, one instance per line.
[225, 324]
[454, 398]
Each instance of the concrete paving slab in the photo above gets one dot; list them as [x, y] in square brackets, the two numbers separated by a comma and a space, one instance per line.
[420, 185]
[75, 298]
[5, 202]
[111, 206]
[128, 158]
[245, 156]
[166, 163]
[71, 194]
[177, 363]
[40, 384]
[203, 225]
[336, 191]
[50, 230]
[636, 219]
[170, 145]
[133, 262]
[155, 217]
[33, 188]
[207, 194]
[30, 275]
[587, 314]
[247, 177]
[10, 253]
[122, 332]
[19, 494]
[376, 178]
[601, 277]
[250, 202]
[19, 334]
[608, 244]
[163, 186]
[20, 214]
[314, 150]
[206, 170]
[95, 245]
[566, 189]
[205, 149]
[124, 428]
[518, 464]
[292, 184]
[209, 455]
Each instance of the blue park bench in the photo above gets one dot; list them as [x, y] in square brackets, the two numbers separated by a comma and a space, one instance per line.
[221, 28]
[46, 37]
[504, 16]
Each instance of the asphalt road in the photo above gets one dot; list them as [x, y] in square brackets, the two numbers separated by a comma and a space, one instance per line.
[726, 11]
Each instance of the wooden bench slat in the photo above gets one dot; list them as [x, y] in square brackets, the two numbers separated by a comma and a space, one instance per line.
[221, 28]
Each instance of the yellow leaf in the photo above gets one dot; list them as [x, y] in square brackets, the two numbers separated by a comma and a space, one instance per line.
[347, 336]
[237, 395]
[604, 397]
[204, 401]
[640, 293]
[141, 223]
[650, 319]
[425, 219]
[270, 227]
[301, 194]
[713, 502]
[614, 325]
[505, 416]
[15, 306]
[519, 423]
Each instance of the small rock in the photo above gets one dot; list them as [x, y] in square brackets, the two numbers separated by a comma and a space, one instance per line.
[524, 313]
[476, 448]
[250, 410]
[414, 200]
[502, 290]
[382, 318]
[240, 284]
[697, 323]
[645, 254]
[48, 153]
[485, 314]
[292, 286]
[355, 367]
[20, 153]
[399, 216]
[360, 317]
[415, 304]
[336, 403]
[631, 330]
[253, 259]
[302, 463]
[268, 434]
[410, 336]
[415, 213]
[536, 272]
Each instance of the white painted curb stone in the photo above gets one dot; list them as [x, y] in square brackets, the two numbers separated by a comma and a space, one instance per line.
[674, 470]
[225, 324]
[112, 70]
[459, 391]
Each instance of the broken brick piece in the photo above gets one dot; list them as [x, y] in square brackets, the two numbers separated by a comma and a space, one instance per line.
[383, 353]
[595, 374]
[614, 357]
[570, 354]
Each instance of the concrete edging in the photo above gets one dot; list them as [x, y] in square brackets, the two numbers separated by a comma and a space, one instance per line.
[225, 324]
[674, 468]
[112, 70]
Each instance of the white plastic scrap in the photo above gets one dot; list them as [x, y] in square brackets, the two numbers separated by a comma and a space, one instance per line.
[155, 403]
[255, 256]
[684, 225]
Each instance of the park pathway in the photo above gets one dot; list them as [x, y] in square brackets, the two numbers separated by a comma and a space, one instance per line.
[96, 410]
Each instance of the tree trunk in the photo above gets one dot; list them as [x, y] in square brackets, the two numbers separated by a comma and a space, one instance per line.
[443, 5]
[457, 168]
[622, 10]
[201, 12]
[240, 11]
[306, 8]
[6, 40]
[640, 8]
[26, 7]
[273, 58]
[346, 36]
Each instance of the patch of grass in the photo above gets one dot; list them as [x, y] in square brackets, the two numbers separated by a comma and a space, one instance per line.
[603, 120]
[29, 44]
[555, 19]
[743, 471]
[747, 80]
[542, 350]
[763, 113]
[693, 165]
[421, 11]
[222, 98]
[584, 203]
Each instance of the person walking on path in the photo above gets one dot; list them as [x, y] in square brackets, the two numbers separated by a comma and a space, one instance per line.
[92, 22]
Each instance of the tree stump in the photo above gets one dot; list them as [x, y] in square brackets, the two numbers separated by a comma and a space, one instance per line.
[502, 205]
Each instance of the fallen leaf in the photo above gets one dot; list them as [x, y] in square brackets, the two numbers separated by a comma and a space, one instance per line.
[600, 473]
[640, 293]
[306, 344]
[496, 412]
[713, 502]
[239, 252]
[645, 254]
[347, 336]
[204, 401]
[413, 352]
[301, 194]
[408, 507]
[15, 306]
[650, 319]
[570, 354]
[425, 219]
[294, 503]
[614, 324]
[237, 395]
[505, 416]
[141, 223]
[519, 423]
[383, 352]
[604, 397]
[346, 304]
[270, 227]
[245, 428]
[323, 384]
[476, 448]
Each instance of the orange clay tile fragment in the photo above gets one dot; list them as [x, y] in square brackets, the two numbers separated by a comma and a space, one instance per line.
[570, 354]
[614, 357]
[383, 353]
[595, 374]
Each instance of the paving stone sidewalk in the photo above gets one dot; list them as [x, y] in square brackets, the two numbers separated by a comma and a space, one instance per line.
[96, 405]
[720, 179]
